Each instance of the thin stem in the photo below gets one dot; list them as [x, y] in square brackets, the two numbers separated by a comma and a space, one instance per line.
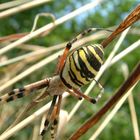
[30, 70]
[126, 86]
[26, 121]
[134, 117]
[133, 78]
[40, 52]
[43, 51]
[22, 7]
[113, 112]
[111, 115]
[103, 68]
[50, 26]
[131, 105]
[131, 18]
[126, 51]
[12, 37]
[38, 66]
[12, 4]
[38, 16]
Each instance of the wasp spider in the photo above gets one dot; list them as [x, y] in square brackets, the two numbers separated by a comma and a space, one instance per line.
[75, 69]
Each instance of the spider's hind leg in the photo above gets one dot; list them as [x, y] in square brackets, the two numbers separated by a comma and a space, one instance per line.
[21, 92]
[52, 117]
[101, 91]
[56, 119]
[90, 99]
[48, 118]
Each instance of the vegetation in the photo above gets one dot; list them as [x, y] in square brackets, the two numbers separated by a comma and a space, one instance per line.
[106, 15]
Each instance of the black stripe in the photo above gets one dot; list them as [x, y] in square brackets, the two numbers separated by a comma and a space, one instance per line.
[93, 61]
[73, 79]
[19, 95]
[46, 123]
[84, 68]
[98, 51]
[21, 89]
[55, 122]
[16, 91]
[86, 31]
[52, 127]
[42, 86]
[11, 93]
[43, 132]
[69, 44]
[81, 73]
[38, 87]
[10, 99]
[90, 60]
[52, 137]
[73, 76]
[64, 81]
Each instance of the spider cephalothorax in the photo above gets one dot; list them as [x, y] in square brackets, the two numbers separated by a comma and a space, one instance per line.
[75, 69]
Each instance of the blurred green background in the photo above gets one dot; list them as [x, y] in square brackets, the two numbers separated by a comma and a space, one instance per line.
[108, 14]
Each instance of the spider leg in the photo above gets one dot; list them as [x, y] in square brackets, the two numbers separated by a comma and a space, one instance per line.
[35, 101]
[75, 95]
[69, 45]
[21, 92]
[42, 96]
[101, 91]
[55, 120]
[92, 100]
[48, 118]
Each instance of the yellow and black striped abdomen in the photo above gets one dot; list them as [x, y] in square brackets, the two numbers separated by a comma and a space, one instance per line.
[82, 65]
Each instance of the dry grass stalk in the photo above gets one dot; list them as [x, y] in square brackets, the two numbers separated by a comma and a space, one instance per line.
[26, 121]
[111, 115]
[40, 51]
[10, 4]
[134, 117]
[100, 73]
[35, 67]
[131, 105]
[126, 86]
[22, 7]
[125, 52]
[22, 124]
[50, 26]
[130, 19]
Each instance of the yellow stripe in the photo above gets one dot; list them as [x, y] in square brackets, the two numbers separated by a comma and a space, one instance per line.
[77, 73]
[83, 57]
[95, 54]
[66, 75]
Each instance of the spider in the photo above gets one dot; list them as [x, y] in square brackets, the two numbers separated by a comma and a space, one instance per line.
[75, 69]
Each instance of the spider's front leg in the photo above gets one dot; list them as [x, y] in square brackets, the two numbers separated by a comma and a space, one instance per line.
[69, 45]
[24, 91]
